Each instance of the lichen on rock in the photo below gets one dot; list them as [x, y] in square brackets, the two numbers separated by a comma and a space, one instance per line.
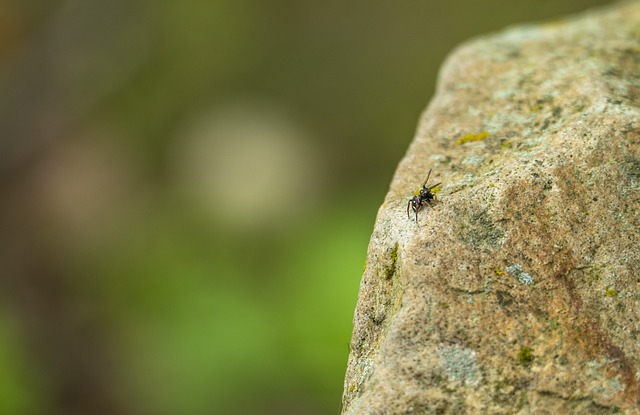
[519, 289]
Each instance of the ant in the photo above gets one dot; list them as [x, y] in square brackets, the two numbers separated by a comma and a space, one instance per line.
[422, 197]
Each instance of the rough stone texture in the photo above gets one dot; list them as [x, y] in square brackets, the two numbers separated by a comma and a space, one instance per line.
[519, 290]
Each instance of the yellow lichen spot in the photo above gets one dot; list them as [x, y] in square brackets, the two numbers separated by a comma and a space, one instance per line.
[610, 293]
[506, 144]
[473, 137]
[492, 185]
[352, 388]
[525, 356]
[394, 254]
[499, 271]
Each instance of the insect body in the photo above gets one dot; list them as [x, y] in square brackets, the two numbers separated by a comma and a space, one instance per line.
[422, 197]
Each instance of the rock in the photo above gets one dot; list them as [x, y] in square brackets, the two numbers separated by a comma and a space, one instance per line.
[519, 290]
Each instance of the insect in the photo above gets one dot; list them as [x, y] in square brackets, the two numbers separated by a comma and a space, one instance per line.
[422, 197]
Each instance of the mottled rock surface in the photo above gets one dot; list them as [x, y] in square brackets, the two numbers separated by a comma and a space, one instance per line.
[519, 290]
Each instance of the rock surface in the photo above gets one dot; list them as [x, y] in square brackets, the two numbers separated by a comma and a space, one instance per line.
[519, 289]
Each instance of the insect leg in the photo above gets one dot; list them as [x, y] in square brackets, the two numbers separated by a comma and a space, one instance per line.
[427, 179]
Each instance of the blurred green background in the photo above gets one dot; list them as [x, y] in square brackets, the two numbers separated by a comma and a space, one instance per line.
[187, 190]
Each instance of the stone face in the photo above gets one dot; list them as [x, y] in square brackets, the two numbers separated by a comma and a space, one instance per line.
[519, 289]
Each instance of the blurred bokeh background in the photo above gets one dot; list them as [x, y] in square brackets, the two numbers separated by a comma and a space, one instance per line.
[187, 189]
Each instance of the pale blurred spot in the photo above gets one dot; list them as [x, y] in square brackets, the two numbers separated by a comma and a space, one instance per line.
[247, 165]
[83, 183]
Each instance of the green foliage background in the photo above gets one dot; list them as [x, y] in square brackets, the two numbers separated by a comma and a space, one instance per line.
[146, 271]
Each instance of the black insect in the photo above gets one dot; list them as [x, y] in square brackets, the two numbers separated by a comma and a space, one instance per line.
[422, 197]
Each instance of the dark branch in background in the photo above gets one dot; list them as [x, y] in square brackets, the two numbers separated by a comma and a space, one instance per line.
[56, 77]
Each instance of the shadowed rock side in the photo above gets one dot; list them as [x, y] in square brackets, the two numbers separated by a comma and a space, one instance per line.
[518, 291]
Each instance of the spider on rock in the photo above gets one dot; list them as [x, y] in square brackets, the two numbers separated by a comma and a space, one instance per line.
[422, 197]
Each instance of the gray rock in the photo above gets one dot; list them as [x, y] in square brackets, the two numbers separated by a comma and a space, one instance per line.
[519, 290]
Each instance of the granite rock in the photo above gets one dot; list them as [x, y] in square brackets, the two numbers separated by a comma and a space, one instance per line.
[518, 290]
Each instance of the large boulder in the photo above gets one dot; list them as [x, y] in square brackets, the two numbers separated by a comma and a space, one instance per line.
[518, 290]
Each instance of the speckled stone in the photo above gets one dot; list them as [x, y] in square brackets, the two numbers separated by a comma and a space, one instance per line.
[519, 290]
